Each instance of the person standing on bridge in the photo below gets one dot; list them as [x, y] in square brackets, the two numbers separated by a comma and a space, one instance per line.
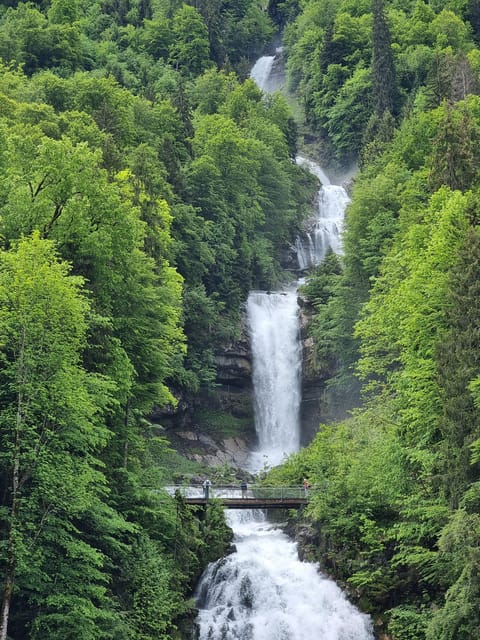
[243, 487]
[206, 488]
[306, 486]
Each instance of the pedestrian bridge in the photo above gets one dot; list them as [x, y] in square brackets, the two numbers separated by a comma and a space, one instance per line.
[256, 496]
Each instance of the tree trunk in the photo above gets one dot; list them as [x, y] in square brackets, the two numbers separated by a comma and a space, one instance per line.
[11, 559]
[7, 596]
[12, 551]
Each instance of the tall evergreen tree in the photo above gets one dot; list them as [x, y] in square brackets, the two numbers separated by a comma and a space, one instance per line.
[473, 15]
[458, 361]
[455, 157]
[383, 68]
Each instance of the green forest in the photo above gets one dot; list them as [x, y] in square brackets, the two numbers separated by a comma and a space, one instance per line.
[396, 517]
[146, 186]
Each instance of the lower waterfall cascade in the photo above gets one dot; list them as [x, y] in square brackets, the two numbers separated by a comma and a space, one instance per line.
[263, 591]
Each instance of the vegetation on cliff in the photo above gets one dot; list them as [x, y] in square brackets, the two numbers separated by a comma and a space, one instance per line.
[145, 187]
[396, 516]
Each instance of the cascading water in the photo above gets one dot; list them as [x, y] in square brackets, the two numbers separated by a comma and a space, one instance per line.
[263, 591]
[277, 362]
[326, 230]
[261, 71]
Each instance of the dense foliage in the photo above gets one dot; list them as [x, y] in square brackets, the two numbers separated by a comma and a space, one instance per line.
[396, 514]
[145, 186]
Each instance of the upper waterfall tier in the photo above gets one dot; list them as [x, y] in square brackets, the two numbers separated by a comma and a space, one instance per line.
[324, 232]
[261, 71]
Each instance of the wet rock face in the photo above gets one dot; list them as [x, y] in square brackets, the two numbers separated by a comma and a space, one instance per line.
[212, 452]
[246, 592]
[216, 427]
[234, 361]
[313, 384]
[234, 368]
[221, 426]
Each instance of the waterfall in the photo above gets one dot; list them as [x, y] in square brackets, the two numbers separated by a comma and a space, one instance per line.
[277, 362]
[261, 71]
[263, 591]
[326, 231]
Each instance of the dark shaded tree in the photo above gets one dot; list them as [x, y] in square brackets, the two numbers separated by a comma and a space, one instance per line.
[455, 157]
[458, 362]
[383, 67]
[473, 16]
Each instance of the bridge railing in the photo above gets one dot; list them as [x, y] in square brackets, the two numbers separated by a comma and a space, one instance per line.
[235, 491]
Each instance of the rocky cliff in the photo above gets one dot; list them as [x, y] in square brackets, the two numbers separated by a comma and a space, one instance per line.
[217, 428]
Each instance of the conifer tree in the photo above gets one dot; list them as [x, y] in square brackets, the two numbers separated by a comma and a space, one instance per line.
[383, 68]
[458, 359]
[455, 156]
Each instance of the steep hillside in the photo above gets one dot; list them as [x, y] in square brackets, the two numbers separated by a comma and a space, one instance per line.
[397, 515]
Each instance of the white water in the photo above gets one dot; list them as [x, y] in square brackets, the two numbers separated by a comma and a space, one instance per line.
[277, 363]
[326, 231]
[261, 71]
[263, 591]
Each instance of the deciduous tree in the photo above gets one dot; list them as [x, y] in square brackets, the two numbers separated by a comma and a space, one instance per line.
[51, 432]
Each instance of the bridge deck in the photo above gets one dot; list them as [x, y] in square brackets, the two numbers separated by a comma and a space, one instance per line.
[256, 496]
[253, 503]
